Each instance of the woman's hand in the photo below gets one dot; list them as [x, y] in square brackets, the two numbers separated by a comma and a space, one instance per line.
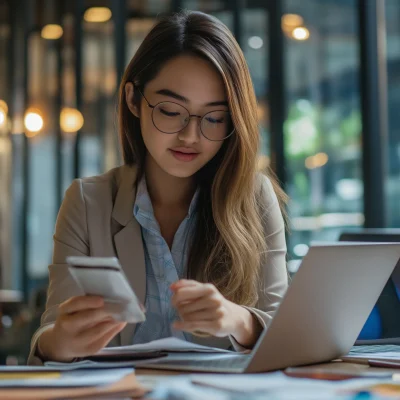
[202, 307]
[82, 328]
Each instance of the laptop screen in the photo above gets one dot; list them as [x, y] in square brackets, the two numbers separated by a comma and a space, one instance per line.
[384, 320]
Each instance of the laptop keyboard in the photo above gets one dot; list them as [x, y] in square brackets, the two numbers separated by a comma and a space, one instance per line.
[375, 348]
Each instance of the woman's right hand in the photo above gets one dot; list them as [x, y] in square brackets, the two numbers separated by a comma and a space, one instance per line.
[82, 328]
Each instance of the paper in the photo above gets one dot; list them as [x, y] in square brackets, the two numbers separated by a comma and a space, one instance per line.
[278, 382]
[127, 387]
[251, 386]
[392, 356]
[29, 375]
[25, 368]
[71, 379]
[170, 344]
[88, 364]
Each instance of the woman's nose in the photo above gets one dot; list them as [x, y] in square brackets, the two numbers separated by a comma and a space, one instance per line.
[191, 132]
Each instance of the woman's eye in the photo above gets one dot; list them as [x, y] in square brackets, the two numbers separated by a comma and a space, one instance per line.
[215, 121]
[169, 113]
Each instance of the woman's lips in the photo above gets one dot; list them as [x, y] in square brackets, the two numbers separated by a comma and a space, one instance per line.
[186, 157]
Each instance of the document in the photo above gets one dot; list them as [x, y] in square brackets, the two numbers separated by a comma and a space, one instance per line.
[127, 387]
[53, 378]
[129, 356]
[278, 382]
[16, 371]
[366, 358]
[89, 364]
[170, 345]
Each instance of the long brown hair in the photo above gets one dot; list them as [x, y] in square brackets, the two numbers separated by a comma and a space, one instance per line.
[228, 245]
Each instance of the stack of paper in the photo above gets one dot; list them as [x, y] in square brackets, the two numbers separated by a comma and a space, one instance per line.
[275, 385]
[391, 359]
[135, 355]
[49, 383]
[90, 364]
[170, 345]
[278, 386]
[50, 377]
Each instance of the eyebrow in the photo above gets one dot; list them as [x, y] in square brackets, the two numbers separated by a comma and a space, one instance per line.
[176, 96]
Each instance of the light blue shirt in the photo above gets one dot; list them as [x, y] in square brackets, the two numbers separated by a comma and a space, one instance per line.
[163, 267]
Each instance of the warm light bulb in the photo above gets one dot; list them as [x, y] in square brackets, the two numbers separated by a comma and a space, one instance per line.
[71, 120]
[320, 159]
[301, 33]
[3, 113]
[3, 106]
[97, 14]
[316, 161]
[292, 20]
[2, 118]
[33, 121]
[52, 31]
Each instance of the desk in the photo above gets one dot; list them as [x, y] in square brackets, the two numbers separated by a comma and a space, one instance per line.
[331, 366]
[180, 381]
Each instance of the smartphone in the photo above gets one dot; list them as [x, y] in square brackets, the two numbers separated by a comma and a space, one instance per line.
[103, 276]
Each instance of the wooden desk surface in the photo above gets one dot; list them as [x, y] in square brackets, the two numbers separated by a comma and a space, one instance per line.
[331, 366]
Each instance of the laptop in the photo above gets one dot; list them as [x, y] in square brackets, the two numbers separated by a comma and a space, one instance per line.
[381, 331]
[320, 317]
[383, 324]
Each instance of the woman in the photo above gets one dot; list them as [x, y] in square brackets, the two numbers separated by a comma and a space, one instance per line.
[199, 233]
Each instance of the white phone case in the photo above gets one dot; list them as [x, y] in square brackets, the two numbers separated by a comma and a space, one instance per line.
[103, 276]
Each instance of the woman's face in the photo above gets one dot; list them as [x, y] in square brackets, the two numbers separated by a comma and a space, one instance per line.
[195, 84]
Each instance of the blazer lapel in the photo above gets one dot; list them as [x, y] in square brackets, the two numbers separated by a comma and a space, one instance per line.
[128, 241]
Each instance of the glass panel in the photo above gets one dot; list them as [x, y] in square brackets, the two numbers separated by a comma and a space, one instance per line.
[144, 17]
[4, 41]
[255, 48]
[42, 90]
[322, 130]
[393, 67]
[136, 31]
[148, 8]
[69, 98]
[215, 7]
[5, 149]
[99, 100]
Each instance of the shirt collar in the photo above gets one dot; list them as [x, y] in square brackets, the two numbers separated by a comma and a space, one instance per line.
[143, 202]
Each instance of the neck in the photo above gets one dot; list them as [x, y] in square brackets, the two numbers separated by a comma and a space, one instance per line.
[166, 190]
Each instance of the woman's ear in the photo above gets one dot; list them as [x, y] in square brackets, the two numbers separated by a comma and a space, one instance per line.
[130, 99]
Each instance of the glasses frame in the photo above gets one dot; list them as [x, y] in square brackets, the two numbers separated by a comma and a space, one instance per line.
[199, 117]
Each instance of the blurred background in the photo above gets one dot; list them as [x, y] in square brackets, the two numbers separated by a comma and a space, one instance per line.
[327, 80]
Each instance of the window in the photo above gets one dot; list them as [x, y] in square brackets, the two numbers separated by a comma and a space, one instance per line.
[393, 151]
[98, 147]
[5, 148]
[323, 125]
[42, 207]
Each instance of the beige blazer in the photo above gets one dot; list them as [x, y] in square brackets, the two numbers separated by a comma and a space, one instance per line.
[96, 219]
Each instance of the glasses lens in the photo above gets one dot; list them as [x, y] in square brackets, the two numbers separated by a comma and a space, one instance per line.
[217, 125]
[170, 117]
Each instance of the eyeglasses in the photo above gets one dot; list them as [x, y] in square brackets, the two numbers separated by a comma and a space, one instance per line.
[169, 117]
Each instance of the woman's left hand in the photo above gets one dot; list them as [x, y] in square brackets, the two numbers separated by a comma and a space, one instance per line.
[202, 307]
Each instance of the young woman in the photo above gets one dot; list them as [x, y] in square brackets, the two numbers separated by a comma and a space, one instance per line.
[197, 230]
